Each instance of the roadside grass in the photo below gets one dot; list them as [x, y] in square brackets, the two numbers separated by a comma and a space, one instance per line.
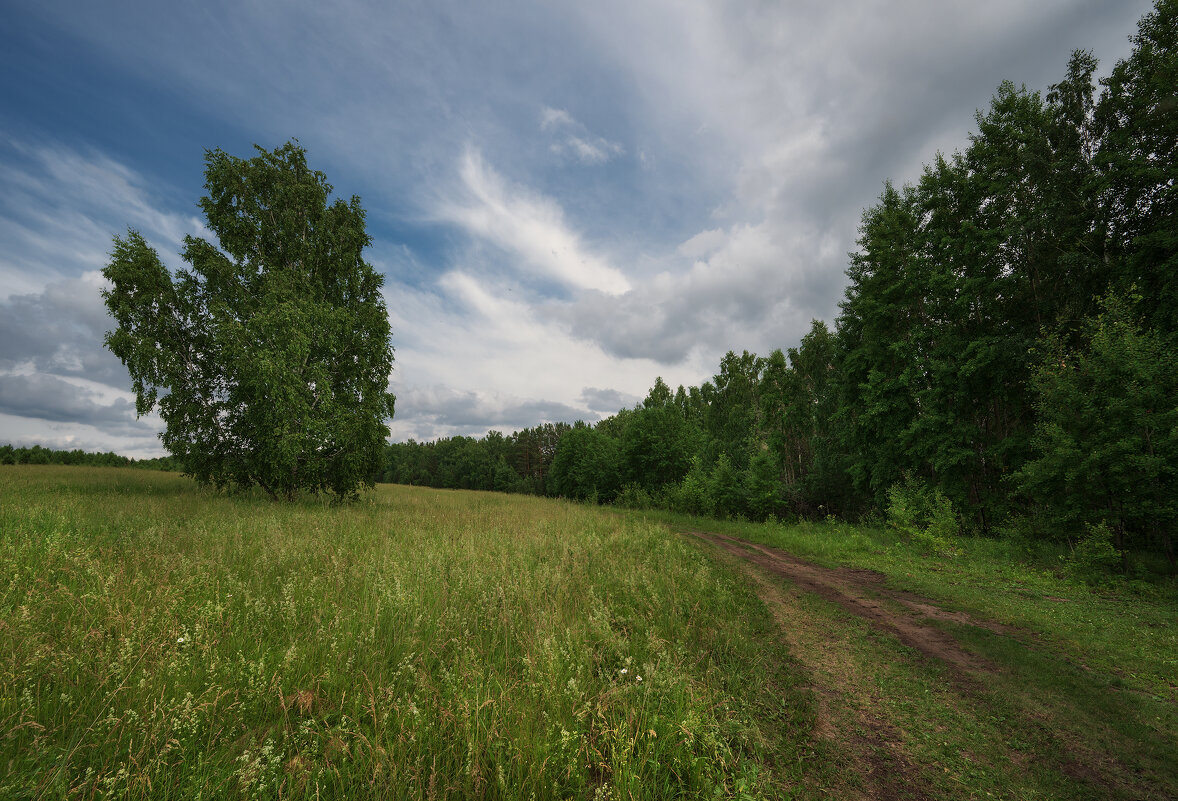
[1084, 703]
[1127, 632]
[161, 641]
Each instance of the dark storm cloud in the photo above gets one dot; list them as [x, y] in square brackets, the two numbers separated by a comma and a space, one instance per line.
[428, 413]
[911, 77]
[607, 401]
[812, 107]
[60, 330]
[47, 397]
[745, 294]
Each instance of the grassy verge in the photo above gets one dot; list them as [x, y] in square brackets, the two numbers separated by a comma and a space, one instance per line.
[1082, 704]
[157, 641]
[1129, 634]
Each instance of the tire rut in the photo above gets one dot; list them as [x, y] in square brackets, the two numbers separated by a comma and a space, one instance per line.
[867, 751]
[863, 594]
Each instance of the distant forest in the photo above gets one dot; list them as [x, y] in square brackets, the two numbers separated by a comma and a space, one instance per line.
[1005, 349]
[10, 454]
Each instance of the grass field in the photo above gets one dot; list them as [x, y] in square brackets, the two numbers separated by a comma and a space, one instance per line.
[160, 641]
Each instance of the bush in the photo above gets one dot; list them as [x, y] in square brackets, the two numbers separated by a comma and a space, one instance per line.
[633, 496]
[762, 486]
[922, 516]
[693, 495]
[1094, 558]
[727, 488]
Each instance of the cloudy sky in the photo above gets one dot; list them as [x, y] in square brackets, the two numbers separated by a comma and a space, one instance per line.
[567, 199]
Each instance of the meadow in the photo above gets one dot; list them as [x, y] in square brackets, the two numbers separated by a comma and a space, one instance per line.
[158, 640]
[161, 641]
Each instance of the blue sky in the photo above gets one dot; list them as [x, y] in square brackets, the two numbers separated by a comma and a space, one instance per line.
[566, 199]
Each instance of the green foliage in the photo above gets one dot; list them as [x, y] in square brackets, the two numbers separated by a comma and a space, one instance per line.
[763, 491]
[656, 446]
[924, 517]
[519, 463]
[732, 414]
[1094, 558]
[634, 496]
[727, 488]
[1106, 445]
[269, 357]
[1137, 117]
[39, 455]
[586, 465]
[693, 495]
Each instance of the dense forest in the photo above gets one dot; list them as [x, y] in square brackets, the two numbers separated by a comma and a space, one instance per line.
[1004, 360]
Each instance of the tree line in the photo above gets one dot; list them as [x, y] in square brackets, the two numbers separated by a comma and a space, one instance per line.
[36, 454]
[1005, 350]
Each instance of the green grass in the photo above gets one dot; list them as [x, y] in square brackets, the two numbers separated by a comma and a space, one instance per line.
[159, 641]
[1127, 632]
[1084, 703]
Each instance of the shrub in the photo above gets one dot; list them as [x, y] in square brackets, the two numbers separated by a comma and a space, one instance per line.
[1094, 558]
[634, 496]
[922, 516]
[693, 495]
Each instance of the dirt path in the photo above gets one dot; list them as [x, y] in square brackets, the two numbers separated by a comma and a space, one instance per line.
[885, 716]
[863, 593]
[851, 717]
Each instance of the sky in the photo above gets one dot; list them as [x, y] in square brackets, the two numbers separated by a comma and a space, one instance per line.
[566, 200]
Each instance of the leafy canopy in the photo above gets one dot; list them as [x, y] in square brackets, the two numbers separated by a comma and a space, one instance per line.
[269, 356]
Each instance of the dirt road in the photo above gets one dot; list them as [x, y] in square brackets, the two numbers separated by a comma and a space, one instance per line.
[852, 719]
[906, 711]
[863, 593]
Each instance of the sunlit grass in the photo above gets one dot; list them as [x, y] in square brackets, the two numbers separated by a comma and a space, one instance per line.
[160, 641]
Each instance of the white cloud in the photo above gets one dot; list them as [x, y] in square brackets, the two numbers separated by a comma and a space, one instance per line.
[526, 225]
[62, 207]
[703, 244]
[471, 344]
[576, 139]
[26, 432]
[554, 118]
[746, 287]
[597, 152]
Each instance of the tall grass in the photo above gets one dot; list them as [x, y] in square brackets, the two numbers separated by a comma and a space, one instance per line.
[159, 641]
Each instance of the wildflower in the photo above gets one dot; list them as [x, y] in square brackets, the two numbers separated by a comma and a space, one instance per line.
[638, 678]
[180, 640]
[623, 671]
